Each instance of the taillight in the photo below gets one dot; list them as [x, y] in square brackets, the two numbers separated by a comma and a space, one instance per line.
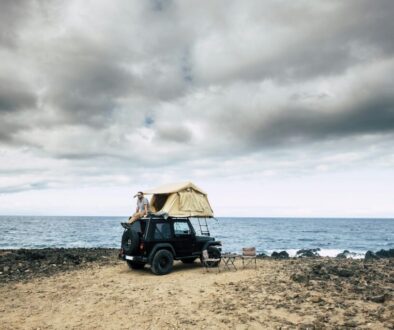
[121, 253]
[142, 246]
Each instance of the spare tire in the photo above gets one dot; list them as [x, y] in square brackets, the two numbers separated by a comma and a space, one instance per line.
[130, 241]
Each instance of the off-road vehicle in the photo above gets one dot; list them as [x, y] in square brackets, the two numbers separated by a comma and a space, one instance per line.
[157, 242]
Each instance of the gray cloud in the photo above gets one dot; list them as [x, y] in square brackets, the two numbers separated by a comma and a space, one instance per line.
[140, 84]
[16, 101]
[173, 133]
[374, 115]
[161, 5]
[307, 41]
[15, 96]
[23, 187]
[13, 14]
[85, 81]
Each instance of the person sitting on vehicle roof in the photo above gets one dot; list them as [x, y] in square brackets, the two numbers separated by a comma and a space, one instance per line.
[142, 207]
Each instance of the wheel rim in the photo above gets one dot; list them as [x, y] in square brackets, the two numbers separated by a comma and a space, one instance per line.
[163, 262]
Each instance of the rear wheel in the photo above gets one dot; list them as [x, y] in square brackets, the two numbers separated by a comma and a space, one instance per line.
[162, 262]
[188, 260]
[135, 265]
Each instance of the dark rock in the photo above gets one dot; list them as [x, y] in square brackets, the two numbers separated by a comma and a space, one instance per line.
[280, 255]
[385, 253]
[343, 272]
[350, 323]
[370, 256]
[308, 253]
[299, 278]
[378, 299]
[22, 264]
[318, 269]
[343, 255]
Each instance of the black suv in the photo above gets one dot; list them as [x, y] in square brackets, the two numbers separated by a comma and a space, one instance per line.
[158, 242]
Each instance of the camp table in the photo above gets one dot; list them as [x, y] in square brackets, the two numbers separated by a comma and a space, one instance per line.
[228, 260]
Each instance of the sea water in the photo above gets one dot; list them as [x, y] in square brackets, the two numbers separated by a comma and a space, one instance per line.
[330, 235]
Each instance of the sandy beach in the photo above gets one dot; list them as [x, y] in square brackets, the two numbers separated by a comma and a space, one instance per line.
[307, 293]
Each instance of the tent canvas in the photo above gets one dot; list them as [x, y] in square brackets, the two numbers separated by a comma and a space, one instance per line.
[180, 200]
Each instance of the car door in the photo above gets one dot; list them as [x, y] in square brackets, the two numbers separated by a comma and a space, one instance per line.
[184, 238]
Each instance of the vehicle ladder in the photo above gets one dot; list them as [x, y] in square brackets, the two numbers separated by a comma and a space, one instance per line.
[204, 230]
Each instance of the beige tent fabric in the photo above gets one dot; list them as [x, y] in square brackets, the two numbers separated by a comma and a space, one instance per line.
[174, 187]
[180, 200]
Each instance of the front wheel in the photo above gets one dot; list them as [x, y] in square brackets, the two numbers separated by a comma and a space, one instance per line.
[162, 262]
[135, 265]
[214, 252]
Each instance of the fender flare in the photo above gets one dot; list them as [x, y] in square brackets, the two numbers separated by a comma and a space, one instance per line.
[160, 246]
[211, 243]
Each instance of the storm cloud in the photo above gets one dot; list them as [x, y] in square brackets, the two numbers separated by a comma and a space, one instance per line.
[104, 92]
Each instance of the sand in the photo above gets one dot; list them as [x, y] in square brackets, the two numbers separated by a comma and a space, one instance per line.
[287, 294]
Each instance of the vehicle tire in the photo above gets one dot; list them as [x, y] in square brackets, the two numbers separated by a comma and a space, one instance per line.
[130, 241]
[214, 252]
[135, 265]
[188, 260]
[162, 262]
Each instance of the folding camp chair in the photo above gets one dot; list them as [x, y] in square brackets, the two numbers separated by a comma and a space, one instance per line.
[248, 255]
[209, 262]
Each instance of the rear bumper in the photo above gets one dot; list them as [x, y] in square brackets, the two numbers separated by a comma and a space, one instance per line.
[126, 257]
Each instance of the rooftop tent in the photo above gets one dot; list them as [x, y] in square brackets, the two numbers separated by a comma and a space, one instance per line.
[180, 200]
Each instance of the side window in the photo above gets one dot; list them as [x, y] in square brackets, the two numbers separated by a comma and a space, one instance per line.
[136, 226]
[162, 231]
[181, 228]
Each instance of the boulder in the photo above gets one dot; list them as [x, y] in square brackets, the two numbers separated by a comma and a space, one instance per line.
[378, 299]
[385, 253]
[308, 253]
[299, 278]
[370, 256]
[343, 272]
[280, 255]
[343, 255]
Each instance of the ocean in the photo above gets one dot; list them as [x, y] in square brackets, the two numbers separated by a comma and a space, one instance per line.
[330, 235]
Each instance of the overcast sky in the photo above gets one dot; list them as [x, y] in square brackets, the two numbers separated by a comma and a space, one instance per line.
[275, 108]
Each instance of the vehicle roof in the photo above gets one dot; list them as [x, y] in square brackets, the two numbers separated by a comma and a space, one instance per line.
[162, 218]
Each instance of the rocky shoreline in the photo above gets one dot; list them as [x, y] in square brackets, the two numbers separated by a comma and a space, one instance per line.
[328, 293]
[24, 264]
[88, 290]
